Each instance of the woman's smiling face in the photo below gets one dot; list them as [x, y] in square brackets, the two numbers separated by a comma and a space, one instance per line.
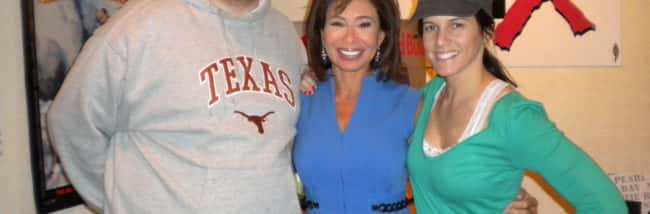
[351, 38]
[453, 44]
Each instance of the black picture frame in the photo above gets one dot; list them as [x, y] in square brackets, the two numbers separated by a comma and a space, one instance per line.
[53, 198]
[54, 32]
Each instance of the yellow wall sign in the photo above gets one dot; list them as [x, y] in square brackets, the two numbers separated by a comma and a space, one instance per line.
[407, 8]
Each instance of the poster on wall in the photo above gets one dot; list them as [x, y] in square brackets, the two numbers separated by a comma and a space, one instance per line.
[634, 188]
[557, 33]
[55, 31]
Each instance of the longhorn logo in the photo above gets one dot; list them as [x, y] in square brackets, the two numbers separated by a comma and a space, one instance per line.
[257, 120]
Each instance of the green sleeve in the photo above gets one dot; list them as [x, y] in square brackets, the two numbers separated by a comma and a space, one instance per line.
[536, 144]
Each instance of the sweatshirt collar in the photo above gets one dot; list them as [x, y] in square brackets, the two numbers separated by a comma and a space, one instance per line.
[262, 9]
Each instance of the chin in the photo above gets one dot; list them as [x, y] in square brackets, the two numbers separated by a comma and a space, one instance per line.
[353, 68]
[445, 71]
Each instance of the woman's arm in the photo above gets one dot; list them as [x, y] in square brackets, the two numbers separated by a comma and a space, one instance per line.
[536, 144]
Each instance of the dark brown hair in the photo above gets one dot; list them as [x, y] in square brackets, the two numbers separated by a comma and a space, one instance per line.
[490, 62]
[388, 13]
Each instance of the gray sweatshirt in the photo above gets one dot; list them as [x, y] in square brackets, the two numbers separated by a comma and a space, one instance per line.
[175, 106]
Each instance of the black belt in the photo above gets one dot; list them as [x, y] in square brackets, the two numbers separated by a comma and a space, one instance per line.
[307, 204]
[392, 207]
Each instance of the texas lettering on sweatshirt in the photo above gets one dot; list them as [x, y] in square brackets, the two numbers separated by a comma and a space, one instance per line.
[275, 82]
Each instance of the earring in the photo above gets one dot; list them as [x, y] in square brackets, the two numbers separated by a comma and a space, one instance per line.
[378, 55]
[323, 56]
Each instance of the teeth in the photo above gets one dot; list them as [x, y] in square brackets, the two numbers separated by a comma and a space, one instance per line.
[350, 52]
[445, 56]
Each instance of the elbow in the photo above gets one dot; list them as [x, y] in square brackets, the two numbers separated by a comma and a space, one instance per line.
[619, 208]
[615, 208]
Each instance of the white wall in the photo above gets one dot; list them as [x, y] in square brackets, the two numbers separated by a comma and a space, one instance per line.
[15, 173]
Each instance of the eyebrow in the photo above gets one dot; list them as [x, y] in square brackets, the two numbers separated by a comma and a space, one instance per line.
[451, 20]
[356, 19]
[459, 18]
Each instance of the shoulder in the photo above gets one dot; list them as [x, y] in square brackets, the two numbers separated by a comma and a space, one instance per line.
[514, 103]
[514, 110]
[400, 99]
[404, 88]
[136, 12]
[280, 23]
[143, 17]
[278, 17]
[279, 26]
[320, 94]
[402, 91]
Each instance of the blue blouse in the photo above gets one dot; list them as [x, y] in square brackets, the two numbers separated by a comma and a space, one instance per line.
[361, 170]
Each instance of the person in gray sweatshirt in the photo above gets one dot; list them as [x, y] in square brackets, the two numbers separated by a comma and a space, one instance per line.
[183, 106]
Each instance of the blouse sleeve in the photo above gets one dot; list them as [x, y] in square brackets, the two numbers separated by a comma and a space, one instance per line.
[536, 144]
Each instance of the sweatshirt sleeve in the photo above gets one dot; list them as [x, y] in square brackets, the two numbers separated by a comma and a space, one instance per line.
[82, 118]
[536, 144]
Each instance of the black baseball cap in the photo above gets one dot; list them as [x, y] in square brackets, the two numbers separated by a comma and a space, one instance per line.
[462, 8]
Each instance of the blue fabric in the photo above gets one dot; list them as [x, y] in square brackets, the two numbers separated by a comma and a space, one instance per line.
[348, 172]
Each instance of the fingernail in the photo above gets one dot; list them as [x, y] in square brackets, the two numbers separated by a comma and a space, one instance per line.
[313, 87]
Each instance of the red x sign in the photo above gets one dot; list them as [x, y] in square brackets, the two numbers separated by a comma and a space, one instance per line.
[520, 12]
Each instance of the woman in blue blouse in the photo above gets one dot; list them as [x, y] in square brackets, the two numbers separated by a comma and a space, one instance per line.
[350, 151]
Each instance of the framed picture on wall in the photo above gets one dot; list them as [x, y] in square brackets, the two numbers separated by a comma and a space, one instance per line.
[54, 33]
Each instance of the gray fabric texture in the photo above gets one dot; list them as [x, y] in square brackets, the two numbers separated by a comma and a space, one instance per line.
[158, 114]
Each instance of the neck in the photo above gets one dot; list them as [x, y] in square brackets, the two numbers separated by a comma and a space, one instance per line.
[348, 84]
[467, 86]
[236, 7]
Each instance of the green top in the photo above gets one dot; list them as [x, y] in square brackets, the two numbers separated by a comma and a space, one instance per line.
[483, 174]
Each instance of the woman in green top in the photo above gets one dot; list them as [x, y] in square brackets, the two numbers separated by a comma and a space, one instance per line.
[476, 135]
